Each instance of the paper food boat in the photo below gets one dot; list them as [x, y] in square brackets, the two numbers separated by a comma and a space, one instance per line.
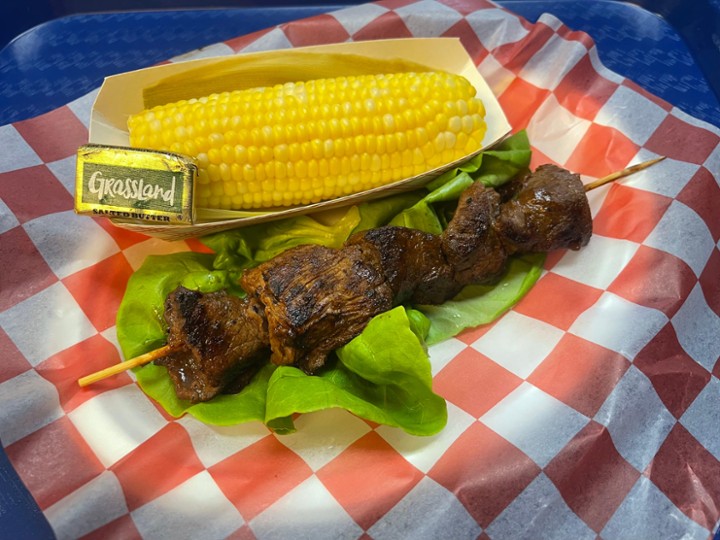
[122, 95]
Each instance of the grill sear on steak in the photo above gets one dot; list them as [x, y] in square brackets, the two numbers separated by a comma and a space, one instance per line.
[215, 338]
[310, 300]
[412, 262]
[317, 299]
[471, 242]
[548, 211]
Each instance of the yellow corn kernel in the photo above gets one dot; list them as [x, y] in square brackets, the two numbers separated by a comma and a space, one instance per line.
[304, 142]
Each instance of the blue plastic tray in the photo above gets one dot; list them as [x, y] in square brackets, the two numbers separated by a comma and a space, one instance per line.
[60, 60]
[64, 58]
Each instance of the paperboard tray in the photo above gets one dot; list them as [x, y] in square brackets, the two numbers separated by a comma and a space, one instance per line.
[122, 95]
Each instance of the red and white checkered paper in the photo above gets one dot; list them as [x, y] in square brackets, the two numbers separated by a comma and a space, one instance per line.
[590, 410]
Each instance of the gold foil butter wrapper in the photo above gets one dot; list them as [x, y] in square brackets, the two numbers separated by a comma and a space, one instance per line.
[135, 185]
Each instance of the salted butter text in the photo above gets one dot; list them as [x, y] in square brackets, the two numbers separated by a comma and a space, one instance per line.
[129, 215]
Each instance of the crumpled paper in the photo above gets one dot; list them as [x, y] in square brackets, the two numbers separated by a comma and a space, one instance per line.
[589, 410]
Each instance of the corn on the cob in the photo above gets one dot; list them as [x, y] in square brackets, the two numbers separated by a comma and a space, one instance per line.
[300, 143]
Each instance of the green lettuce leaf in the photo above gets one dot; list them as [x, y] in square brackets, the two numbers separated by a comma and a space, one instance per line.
[481, 304]
[385, 381]
[492, 167]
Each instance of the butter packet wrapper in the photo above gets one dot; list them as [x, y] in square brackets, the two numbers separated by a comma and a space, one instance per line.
[135, 185]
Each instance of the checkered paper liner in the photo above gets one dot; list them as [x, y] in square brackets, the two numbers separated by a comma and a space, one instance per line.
[589, 410]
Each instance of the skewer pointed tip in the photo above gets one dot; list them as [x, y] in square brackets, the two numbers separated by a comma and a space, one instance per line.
[621, 174]
[124, 366]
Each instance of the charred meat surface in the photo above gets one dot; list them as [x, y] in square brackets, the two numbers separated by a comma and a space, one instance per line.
[412, 262]
[310, 300]
[471, 242]
[316, 299]
[548, 211]
[214, 338]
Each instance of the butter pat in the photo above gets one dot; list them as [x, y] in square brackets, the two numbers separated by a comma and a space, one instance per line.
[135, 185]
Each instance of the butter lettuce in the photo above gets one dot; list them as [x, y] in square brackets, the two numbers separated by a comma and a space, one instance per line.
[140, 327]
[481, 304]
[382, 375]
[385, 381]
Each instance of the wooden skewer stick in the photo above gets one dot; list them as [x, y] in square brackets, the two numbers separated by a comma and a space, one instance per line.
[620, 174]
[166, 349]
[124, 366]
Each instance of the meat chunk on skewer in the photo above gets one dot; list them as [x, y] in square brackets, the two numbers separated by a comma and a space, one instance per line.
[310, 300]
[317, 299]
[471, 242]
[412, 262]
[215, 339]
[548, 211]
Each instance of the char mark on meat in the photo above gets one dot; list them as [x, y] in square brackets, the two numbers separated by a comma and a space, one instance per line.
[316, 299]
[548, 211]
[412, 262]
[215, 339]
[471, 243]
